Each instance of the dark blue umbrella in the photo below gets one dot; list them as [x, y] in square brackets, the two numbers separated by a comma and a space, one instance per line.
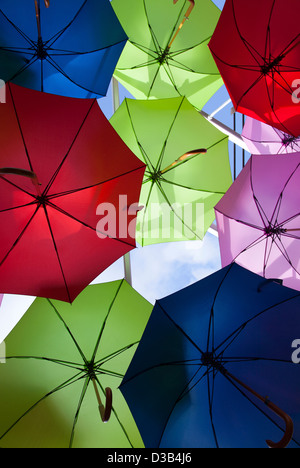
[215, 359]
[69, 47]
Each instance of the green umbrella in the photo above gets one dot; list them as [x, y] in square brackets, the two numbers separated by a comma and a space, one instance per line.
[188, 168]
[60, 358]
[167, 55]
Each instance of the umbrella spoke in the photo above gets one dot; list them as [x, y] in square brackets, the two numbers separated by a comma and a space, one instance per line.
[68, 331]
[63, 385]
[50, 183]
[81, 398]
[19, 236]
[19, 31]
[105, 322]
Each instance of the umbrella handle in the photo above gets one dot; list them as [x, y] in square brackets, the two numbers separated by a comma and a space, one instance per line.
[184, 157]
[289, 427]
[47, 3]
[105, 411]
[186, 16]
[22, 172]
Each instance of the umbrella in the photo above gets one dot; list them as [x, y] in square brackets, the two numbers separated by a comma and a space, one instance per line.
[258, 218]
[188, 167]
[61, 359]
[214, 366]
[264, 139]
[166, 54]
[256, 48]
[70, 48]
[62, 165]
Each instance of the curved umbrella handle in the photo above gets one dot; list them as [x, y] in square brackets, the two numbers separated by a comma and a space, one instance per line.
[186, 16]
[289, 427]
[104, 410]
[22, 172]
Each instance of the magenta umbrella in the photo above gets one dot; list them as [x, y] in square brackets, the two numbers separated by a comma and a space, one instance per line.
[258, 218]
[264, 139]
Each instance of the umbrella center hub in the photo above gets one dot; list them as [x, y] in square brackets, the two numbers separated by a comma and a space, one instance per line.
[42, 199]
[271, 65]
[41, 52]
[288, 140]
[209, 359]
[274, 230]
[155, 176]
[90, 369]
[163, 57]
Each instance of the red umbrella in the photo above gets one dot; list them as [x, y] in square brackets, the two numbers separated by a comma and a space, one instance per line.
[60, 161]
[256, 46]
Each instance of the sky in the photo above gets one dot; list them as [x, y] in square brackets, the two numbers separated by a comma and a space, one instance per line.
[157, 270]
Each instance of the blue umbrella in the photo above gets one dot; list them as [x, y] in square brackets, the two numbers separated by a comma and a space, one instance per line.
[214, 360]
[68, 47]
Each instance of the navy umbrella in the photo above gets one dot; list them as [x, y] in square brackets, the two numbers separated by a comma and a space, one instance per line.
[214, 368]
[68, 47]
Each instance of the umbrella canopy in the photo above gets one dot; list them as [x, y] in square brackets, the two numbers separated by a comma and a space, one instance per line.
[61, 162]
[70, 48]
[258, 218]
[256, 48]
[166, 55]
[188, 167]
[264, 139]
[204, 352]
[60, 359]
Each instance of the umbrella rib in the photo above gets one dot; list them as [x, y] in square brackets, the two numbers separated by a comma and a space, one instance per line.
[56, 389]
[72, 365]
[174, 212]
[70, 192]
[245, 42]
[144, 154]
[27, 39]
[56, 36]
[94, 101]
[105, 320]
[82, 395]
[160, 159]
[182, 394]
[60, 210]
[20, 128]
[179, 328]
[68, 330]
[19, 237]
[56, 252]
[114, 354]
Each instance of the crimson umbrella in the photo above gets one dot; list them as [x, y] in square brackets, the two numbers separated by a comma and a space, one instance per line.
[256, 46]
[62, 167]
[264, 139]
[258, 218]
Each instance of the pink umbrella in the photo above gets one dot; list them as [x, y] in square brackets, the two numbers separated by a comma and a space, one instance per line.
[258, 218]
[264, 139]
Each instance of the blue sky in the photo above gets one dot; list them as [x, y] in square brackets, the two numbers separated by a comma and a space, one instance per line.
[157, 270]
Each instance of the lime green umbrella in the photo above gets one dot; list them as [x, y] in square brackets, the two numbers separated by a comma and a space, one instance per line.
[188, 169]
[167, 53]
[63, 361]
